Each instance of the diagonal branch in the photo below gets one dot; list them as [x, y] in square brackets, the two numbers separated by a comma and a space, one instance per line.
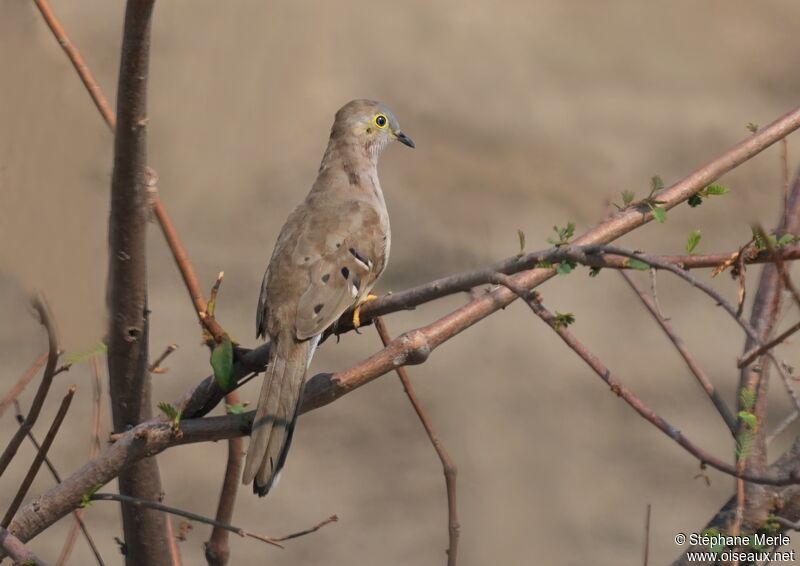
[17, 550]
[629, 397]
[156, 506]
[703, 379]
[44, 387]
[41, 454]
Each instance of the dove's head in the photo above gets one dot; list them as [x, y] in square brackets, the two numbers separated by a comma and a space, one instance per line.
[368, 124]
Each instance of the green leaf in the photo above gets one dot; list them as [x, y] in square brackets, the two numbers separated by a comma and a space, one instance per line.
[715, 189]
[747, 399]
[544, 264]
[638, 264]
[96, 350]
[693, 240]
[627, 197]
[656, 184]
[786, 239]
[744, 444]
[659, 214]
[753, 128]
[86, 498]
[565, 267]
[563, 235]
[562, 320]
[222, 363]
[521, 236]
[695, 201]
[748, 418]
[173, 414]
[169, 411]
[235, 409]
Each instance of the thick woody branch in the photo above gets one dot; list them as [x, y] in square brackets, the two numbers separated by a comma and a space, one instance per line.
[145, 530]
[464, 282]
[17, 550]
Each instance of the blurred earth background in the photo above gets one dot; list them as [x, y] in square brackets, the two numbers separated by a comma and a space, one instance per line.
[526, 114]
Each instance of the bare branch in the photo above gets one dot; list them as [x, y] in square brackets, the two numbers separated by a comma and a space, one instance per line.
[40, 456]
[180, 512]
[77, 61]
[155, 367]
[145, 530]
[44, 387]
[722, 407]
[217, 549]
[450, 471]
[631, 399]
[77, 514]
[17, 550]
[314, 529]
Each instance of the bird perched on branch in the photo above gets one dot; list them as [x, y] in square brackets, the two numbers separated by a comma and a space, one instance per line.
[328, 256]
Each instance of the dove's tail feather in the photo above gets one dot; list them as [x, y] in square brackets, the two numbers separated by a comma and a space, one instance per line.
[277, 409]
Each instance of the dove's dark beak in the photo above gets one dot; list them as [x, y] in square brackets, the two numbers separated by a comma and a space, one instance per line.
[404, 139]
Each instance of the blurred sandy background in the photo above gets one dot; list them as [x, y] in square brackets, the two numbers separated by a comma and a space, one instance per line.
[525, 114]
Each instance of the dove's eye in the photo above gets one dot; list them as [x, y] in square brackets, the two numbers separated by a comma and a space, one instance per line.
[381, 121]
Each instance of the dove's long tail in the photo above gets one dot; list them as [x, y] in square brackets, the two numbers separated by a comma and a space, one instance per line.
[277, 410]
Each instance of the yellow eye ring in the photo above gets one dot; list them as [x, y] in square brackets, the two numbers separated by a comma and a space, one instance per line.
[381, 121]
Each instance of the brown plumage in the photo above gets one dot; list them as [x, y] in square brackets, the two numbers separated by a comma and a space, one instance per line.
[328, 256]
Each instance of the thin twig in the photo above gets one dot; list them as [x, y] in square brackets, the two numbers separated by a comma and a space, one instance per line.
[654, 291]
[39, 459]
[450, 470]
[783, 425]
[749, 357]
[217, 549]
[180, 512]
[187, 271]
[315, 528]
[94, 449]
[77, 61]
[174, 551]
[17, 550]
[703, 379]
[19, 386]
[77, 513]
[10, 451]
[155, 367]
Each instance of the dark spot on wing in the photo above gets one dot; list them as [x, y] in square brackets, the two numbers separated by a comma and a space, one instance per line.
[345, 272]
[359, 257]
[317, 308]
[357, 283]
[326, 277]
